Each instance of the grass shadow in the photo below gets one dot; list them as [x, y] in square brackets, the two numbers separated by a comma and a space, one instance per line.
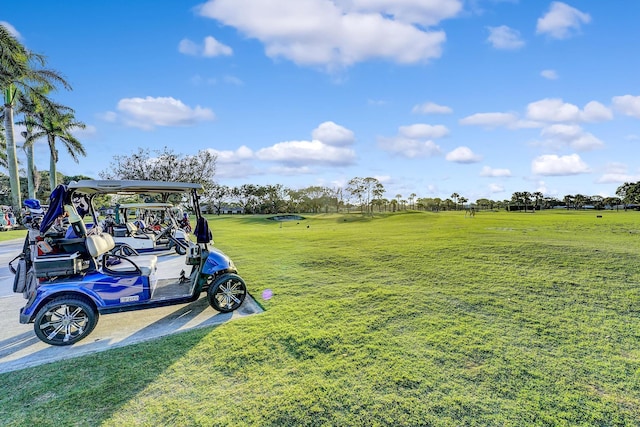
[63, 384]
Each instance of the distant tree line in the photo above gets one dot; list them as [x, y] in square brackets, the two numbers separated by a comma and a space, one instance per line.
[365, 195]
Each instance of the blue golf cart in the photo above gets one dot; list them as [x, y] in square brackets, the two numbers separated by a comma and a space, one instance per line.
[69, 282]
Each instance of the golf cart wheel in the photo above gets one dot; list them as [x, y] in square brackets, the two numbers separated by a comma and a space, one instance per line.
[227, 293]
[65, 321]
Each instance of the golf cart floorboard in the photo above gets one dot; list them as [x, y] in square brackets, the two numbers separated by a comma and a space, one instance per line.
[171, 289]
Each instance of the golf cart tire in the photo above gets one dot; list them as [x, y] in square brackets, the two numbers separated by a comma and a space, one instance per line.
[227, 293]
[180, 250]
[65, 321]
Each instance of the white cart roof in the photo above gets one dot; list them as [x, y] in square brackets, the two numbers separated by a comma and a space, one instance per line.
[90, 186]
[150, 205]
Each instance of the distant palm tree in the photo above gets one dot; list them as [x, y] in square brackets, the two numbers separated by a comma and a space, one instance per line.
[412, 198]
[538, 196]
[455, 197]
[463, 200]
[568, 201]
[579, 201]
[517, 198]
[56, 125]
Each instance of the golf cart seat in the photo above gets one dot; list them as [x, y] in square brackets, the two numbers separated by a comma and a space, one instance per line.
[100, 244]
[134, 231]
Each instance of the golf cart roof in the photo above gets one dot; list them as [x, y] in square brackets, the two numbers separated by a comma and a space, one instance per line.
[90, 186]
[151, 205]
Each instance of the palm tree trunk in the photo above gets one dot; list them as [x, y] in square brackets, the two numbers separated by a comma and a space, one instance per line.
[31, 185]
[52, 166]
[12, 158]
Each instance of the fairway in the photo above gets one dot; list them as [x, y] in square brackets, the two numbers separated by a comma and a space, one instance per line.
[404, 319]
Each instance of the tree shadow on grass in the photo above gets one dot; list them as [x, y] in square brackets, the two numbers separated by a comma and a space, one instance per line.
[87, 389]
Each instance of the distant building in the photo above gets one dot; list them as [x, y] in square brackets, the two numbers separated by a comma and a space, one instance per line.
[231, 210]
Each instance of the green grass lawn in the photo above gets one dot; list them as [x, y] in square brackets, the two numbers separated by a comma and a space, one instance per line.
[12, 234]
[412, 319]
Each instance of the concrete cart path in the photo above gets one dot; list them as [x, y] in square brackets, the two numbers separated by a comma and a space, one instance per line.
[20, 348]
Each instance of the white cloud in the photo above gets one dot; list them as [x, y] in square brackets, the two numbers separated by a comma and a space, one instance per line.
[489, 171]
[337, 34]
[617, 173]
[562, 21]
[628, 105]
[333, 134]
[228, 163]
[302, 153]
[147, 113]
[210, 48]
[553, 110]
[617, 178]
[233, 80]
[496, 188]
[463, 155]
[411, 11]
[542, 187]
[423, 131]
[490, 120]
[88, 132]
[553, 165]
[431, 108]
[240, 155]
[188, 47]
[12, 30]
[414, 140]
[410, 148]
[596, 112]
[213, 47]
[109, 116]
[549, 74]
[556, 110]
[572, 135]
[504, 37]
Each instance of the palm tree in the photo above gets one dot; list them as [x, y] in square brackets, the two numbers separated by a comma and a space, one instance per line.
[579, 201]
[29, 104]
[455, 197]
[526, 198]
[516, 197]
[3, 144]
[538, 196]
[462, 201]
[568, 200]
[56, 124]
[412, 198]
[18, 75]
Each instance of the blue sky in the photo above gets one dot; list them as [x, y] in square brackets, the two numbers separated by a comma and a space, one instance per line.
[478, 97]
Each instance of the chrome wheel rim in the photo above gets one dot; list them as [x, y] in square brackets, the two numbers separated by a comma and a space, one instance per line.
[64, 323]
[229, 294]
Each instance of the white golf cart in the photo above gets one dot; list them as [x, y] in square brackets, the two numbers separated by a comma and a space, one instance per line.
[148, 227]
